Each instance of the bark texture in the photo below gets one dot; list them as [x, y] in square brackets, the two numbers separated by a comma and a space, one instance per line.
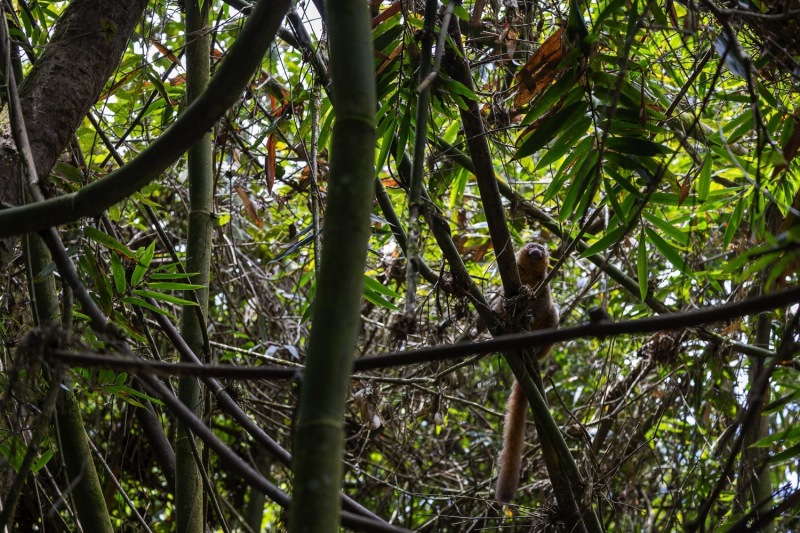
[63, 84]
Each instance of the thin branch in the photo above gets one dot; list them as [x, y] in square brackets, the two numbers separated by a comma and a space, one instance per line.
[518, 341]
[118, 487]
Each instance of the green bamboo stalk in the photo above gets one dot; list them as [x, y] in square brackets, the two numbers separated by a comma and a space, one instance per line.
[420, 143]
[188, 483]
[562, 469]
[86, 491]
[754, 483]
[319, 431]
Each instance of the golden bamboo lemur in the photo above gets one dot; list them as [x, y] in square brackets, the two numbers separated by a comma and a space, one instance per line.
[532, 262]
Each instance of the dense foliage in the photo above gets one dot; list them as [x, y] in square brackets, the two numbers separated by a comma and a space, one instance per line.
[650, 145]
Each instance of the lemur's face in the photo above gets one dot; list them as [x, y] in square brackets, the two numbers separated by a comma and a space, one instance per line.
[535, 252]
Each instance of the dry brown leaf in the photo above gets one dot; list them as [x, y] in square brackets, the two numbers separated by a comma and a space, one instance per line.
[387, 13]
[166, 51]
[250, 209]
[391, 57]
[540, 70]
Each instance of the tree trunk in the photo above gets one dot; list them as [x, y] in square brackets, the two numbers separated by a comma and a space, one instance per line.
[63, 84]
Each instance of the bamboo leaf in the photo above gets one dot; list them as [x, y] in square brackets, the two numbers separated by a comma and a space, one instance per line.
[548, 129]
[704, 180]
[377, 299]
[118, 271]
[636, 146]
[565, 142]
[605, 242]
[641, 267]
[573, 161]
[108, 241]
[132, 300]
[173, 286]
[669, 252]
[379, 288]
[163, 297]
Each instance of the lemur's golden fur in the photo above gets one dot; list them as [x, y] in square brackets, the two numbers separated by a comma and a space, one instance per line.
[532, 262]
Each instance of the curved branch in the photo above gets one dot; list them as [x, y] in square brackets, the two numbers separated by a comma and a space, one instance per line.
[222, 92]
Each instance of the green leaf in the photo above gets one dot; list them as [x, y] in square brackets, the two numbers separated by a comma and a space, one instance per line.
[785, 455]
[132, 300]
[581, 187]
[758, 265]
[171, 275]
[162, 297]
[386, 142]
[605, 242]
[790, 434]
[451, 133]
[549, 128]
[108, 241]
[403, 134]
[611, 198]
[456, 87]
[458, 187]
[576, 27]
[68, 172]
[308, 313]
[739, 125]
[624, 181]
[610, 8]
[660, 221]
[565, 142]
[118, 271]
[375, 286]
[552, 95]
[636, 146]
[461, 13]
[145, 258]
[46, 271]
[573, 161]
[779, 269]
[704, 180]
[12, 449]
[670, 253]
[173, 286]
[377, 299]
[779, 404]
[641, 267]
[733, 224]
[43, 459]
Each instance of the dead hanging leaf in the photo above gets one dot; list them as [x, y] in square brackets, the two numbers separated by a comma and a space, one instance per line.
[685, 188]
[509, 38]
[387, 13]
[389, 182]
[250, 209]
[165, 51]
[389, 59]
[540, 70]
[119, 83]
[367, 402]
